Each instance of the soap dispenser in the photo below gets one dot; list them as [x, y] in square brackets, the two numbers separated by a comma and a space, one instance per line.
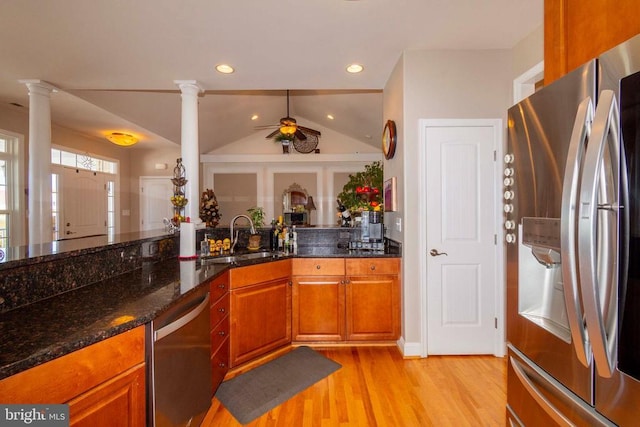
[204, 246]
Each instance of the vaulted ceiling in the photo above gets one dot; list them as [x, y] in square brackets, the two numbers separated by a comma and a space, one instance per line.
[115, 61]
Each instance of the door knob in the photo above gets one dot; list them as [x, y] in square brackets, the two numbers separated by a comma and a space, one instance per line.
[434, 252]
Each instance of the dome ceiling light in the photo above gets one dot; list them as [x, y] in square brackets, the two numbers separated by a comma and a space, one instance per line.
[123, 139]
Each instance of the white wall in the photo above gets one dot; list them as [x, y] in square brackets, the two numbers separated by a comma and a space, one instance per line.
[255, 154]
[143, 163]
[435, 84]
[528, 52]
[330, 142]
[393, 107]
[267, 166]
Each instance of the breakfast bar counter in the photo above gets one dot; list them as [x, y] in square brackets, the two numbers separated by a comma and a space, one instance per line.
[59, 324]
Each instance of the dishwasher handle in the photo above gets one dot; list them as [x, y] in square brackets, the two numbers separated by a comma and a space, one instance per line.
[179, 323]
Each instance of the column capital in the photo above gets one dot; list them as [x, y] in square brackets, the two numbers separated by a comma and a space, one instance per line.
[39, 86]
[189, 86]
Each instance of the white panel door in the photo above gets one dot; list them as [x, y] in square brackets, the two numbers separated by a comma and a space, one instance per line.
[84, 196]
[155, 202]
[461, 258]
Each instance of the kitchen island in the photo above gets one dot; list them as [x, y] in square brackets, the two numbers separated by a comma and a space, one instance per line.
[62, 328]
[57, 324]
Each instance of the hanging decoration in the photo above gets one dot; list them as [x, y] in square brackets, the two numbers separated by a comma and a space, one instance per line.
[178, 200]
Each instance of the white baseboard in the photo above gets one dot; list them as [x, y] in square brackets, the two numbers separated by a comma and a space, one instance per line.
[409, 349]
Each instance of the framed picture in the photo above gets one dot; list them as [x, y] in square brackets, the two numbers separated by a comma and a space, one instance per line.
[390, 201]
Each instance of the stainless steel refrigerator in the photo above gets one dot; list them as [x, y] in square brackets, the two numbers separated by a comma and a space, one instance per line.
[572, 220]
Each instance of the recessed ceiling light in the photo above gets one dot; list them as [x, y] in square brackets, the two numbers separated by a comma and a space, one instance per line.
[254, 117]
[329, 116]
[355, 68]
[225, 69]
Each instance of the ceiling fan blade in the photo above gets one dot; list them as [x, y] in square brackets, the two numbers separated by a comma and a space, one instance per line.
[301, 136]
[266, 127]
[309, 131]
[272, 134]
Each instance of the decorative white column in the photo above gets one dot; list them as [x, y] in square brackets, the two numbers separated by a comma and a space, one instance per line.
[190, 149]
[39, 187]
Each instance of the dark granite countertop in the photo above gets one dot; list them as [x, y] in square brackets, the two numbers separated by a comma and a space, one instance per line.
[50, 328]
[33, 254]
[53, 327]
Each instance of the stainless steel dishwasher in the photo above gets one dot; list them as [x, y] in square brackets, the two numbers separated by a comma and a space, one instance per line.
[179, 377]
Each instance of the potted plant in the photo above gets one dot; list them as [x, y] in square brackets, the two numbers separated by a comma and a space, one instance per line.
[363, 191]
[285, 140]
[256, 214]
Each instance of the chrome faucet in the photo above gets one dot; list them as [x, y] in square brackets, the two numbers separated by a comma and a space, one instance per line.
[234, 238]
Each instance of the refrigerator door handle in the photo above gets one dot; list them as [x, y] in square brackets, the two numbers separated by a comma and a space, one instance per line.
[598, 231]
[568, 229]
[540, 398]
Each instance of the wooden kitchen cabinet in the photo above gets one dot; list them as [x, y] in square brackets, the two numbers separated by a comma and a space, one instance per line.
[360, 301]
[372, 299]
[220, 307]
[118, 399]
[318, 308]
[576, 31]
[318, 299]
[260, 310]
[103, 383]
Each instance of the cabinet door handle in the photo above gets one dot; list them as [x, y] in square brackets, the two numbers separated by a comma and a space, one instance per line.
[373, 267]
[222, 286]
[221, 310]
[222, 365]
[318, 267]
[221, 333]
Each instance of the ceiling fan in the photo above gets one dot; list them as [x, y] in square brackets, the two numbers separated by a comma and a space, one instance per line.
[305, 140]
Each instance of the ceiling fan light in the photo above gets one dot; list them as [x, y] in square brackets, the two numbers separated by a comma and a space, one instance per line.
[288, 129]
[123, 139]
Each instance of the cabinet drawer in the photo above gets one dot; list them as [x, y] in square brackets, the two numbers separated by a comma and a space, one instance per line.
[365, 266]
[219, 365]
[219, 334]
[219, 310]
[318, 267]
[250, 275]
[218, 287]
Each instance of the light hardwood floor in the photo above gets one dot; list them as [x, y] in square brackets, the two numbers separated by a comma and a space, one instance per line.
[377, 387]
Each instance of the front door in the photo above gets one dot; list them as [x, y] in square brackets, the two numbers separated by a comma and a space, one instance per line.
[85, 203]
[461, 236]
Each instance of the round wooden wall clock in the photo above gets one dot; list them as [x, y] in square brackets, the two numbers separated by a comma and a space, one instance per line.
[389, 139]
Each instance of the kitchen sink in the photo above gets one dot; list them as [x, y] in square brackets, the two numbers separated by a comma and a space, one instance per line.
[220, 260]
[254, 255]
[228, 259]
